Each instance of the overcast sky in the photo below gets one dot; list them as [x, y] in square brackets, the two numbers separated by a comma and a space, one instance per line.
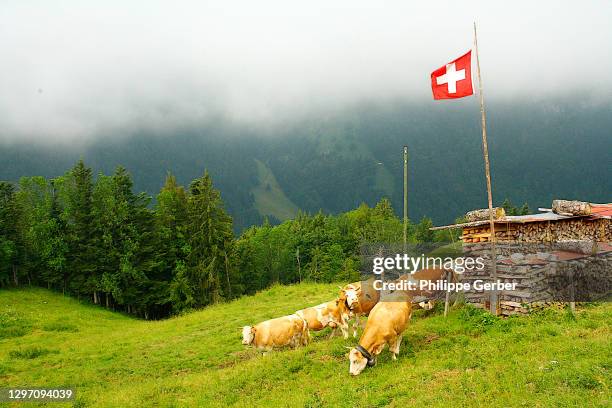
[71, 70]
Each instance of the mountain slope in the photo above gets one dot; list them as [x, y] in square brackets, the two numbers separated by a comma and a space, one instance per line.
[270, 200]
[469, 358]
[540, 150]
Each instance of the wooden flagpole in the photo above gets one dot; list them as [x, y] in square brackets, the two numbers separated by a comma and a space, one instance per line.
[405, 197]
[485, 151]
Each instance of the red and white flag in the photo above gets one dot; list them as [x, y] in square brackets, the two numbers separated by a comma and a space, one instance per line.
[454, 80]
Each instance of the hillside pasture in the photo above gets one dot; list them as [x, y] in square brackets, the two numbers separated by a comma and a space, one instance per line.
[469, 358]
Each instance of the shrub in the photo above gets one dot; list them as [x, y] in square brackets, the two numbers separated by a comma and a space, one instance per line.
[13, 325]
[30, 353]
[60, 327]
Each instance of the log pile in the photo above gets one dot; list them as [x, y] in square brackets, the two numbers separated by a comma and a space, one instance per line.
[560, 230]
[476, 234]
[483, 215]
[566, 207]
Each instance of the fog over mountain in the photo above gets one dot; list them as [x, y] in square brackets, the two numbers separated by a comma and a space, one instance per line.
[538, 152]
[77, 71]
[308, 105]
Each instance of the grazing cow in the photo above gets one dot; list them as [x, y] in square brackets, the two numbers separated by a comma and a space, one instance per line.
[386, 324]
[332, 314]
[360, 298]
[289, 330]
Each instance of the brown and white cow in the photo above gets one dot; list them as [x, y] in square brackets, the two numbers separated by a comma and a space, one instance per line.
[360, 298]
[289, 330]
[332, 314]
[386, 324]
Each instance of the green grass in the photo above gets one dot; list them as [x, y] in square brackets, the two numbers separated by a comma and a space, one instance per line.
[269, 196]
[467, 359]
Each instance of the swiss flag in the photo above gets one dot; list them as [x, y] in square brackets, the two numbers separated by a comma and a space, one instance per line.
[454, 80]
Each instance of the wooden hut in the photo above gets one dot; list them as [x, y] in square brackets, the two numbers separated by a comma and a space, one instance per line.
[567, 248]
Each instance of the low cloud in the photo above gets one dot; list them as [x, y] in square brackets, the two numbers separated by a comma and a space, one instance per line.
[72, 71]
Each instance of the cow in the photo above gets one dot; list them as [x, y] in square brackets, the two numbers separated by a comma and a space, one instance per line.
[332, 314]
[289, 331]
[360, 298]
[386, 324]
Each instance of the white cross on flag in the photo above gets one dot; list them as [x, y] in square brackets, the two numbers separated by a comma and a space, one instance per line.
[454, 80]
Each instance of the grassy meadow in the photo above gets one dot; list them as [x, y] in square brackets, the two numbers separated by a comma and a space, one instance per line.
[467, 359]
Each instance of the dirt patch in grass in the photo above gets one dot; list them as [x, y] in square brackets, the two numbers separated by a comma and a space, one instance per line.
[238, 357]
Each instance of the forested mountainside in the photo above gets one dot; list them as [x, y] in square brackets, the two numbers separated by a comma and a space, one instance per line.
[539, 151]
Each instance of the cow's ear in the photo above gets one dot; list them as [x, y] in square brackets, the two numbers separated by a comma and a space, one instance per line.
[253, 329]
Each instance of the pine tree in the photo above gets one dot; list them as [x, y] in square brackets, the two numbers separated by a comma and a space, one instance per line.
[509, 208]
[525, 210]
[133, 229]
[210, 236]
[423, 233]
[75, 191]
[105, 231]
[172, 222]
[55, 248]
[384, 209]
[35, 229]
[9, 243]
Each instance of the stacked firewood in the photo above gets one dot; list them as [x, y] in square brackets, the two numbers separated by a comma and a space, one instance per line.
[561, 230]
[483, 215]
[566, 207]
[476, 234]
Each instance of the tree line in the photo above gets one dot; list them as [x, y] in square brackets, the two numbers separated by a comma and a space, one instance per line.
[94, 238]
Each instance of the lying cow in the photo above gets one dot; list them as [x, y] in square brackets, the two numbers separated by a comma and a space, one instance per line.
[332, 314]
[289, 330]
[386, 324]
[360, 298]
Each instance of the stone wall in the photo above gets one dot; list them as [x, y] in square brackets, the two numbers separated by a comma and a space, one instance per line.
[543, 273]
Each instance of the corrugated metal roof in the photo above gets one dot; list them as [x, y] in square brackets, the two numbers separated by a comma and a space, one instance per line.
[514, 219]
[545, 216]
[601, 210]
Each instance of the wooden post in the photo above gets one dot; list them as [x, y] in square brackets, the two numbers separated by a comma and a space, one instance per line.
[485, 151]
[572, 293]
[227, 277]
[405, 196]
[449, 275]
[380, 254]
[297, 256]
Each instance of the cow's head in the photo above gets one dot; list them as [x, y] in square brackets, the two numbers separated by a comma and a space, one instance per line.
[357, 362]
[248, 335]
[427, 305]
[350, 295]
